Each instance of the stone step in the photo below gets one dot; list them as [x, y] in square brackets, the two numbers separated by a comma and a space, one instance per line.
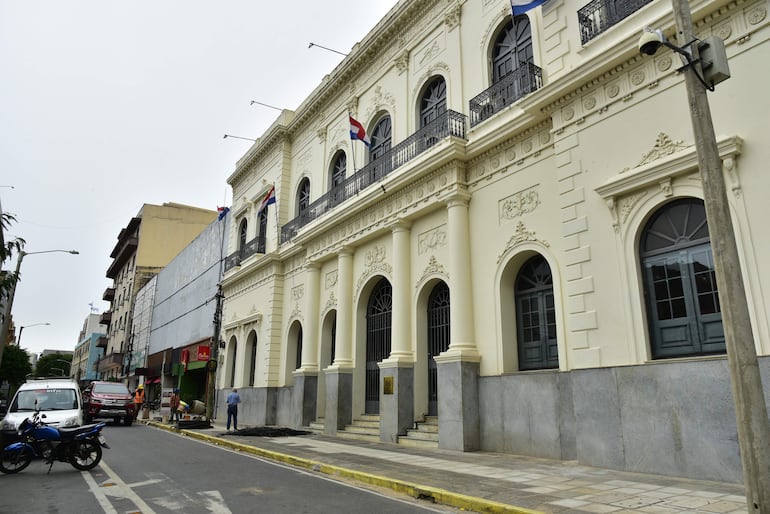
[372, 438]
[412, 442]
[422, 435]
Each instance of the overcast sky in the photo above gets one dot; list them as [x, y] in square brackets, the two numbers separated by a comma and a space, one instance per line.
[106, 105]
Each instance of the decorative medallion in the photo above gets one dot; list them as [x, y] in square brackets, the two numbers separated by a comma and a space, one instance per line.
[545, 137]
[637, 77]
[613, 90]
[510, 154]
[567, 113]
[527, 146]
[723, 31]
[664, 63]
[756, 15]
[589, 103]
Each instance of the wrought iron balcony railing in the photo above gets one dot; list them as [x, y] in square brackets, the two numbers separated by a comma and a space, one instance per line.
[253, 247]
[504, 92]
[450, 123]
[599, 15]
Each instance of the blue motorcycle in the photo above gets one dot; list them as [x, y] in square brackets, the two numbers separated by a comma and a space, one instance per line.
[79, 446]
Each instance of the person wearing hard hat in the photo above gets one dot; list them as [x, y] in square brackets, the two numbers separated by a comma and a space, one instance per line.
[138, 400]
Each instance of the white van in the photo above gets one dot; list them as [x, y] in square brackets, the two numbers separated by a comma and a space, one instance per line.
[58, 399]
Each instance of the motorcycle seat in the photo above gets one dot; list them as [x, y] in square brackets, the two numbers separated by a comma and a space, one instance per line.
[73, 431]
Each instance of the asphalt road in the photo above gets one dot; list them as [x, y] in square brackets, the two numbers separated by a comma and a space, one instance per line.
[154, 471]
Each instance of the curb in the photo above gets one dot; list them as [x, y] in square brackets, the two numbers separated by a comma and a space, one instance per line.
[422, 492]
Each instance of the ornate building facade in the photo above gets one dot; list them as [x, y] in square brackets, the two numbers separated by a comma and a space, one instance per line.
[521, 256]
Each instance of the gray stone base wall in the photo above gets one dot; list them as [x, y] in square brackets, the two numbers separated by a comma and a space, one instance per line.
[671, 417]
[260, 406]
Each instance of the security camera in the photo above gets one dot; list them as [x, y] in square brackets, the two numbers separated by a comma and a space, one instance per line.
[651, 40]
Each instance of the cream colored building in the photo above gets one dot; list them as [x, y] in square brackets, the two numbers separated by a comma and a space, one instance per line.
[150, 240]
[521, 257]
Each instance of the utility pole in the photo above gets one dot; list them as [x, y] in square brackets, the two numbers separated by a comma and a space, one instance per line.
[213, 355]
[748, 395]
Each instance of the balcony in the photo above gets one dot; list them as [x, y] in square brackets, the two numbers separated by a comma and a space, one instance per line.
[450, 123]
[101, 342]
[253, 247]
[504, 92]
[109, 294]
[110, 361]
[106, 318]
[599, 15]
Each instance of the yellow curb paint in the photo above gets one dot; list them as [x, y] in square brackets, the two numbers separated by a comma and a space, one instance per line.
[435, 494]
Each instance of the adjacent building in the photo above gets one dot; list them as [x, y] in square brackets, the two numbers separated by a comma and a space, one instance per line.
[87, 353]
[148, 242]
[520, 255]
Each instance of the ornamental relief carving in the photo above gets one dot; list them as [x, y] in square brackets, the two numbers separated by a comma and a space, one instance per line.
[756, 15]
[663, 147]
[331, 304]
[330, 280]
[452, 16]
[375, 256]
[521, 235]
[518, 204]
[433, 268]
[381, 268]
[381, 101]
[431, 240]
[297, 292]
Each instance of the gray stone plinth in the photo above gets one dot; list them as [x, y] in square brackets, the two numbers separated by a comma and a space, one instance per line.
[397, 408]
[339, 400]
[458, 405]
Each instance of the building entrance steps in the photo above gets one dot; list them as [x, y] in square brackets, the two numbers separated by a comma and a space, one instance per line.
[486, 481]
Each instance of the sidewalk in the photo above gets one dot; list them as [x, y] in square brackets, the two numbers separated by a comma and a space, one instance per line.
[484, 481]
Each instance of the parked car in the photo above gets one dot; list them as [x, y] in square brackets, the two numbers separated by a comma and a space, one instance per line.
[108, 400]
[58, 398]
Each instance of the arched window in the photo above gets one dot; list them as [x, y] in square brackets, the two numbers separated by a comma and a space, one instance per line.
[379, 312]
[680, 287]
[536, 316]
[337, 177]
[242, 232]
[232, 353]
[261, 242]
[303, 196]
[433, 101]
[381, 137]
[381, 163]
[512, 49]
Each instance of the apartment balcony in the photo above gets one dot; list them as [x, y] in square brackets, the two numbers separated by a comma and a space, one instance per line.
[520, 82]
[449, 124]
[109, 294]
[253, 247]
[121, 255]
[110, 361]
[599, 15]
[101, 342]
[106, 318]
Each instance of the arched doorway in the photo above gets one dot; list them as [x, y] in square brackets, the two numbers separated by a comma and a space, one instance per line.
[378, 328]
[438, 339]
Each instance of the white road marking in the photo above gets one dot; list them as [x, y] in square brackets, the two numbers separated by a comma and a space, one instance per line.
[214, 502]
[123, 490]
[104, 503]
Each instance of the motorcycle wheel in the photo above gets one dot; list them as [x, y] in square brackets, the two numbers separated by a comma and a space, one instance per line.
[85, 454]
[13, 461]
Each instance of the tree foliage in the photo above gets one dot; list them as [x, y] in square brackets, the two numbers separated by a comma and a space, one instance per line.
[15, 366]
[7, 250]
[50, 365]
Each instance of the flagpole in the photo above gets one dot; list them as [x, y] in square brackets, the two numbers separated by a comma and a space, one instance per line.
[352, 146]
[277, 233]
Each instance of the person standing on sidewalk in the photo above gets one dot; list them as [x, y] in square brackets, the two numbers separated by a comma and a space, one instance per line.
[174, 406]
[138, 400]
[233, 399]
